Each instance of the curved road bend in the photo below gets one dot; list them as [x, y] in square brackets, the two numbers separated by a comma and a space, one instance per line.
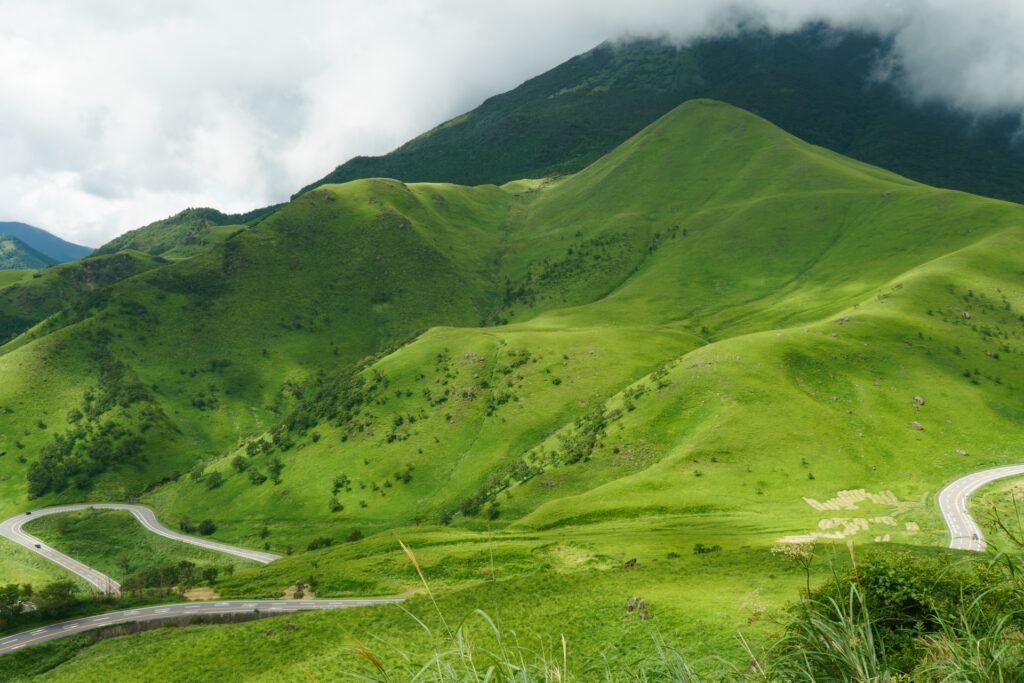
[11, 529]
[178, 609]
[964, 533]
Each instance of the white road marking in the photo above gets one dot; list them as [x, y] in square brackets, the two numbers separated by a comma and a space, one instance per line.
[11, 529]
[965, 534]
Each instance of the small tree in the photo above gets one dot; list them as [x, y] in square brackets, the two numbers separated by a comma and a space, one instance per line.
[210, 574]
[341, 482]
[207, 527]
[274, 467]
[10, 604]
[214, 480]
[335, 505]
[56, 598]
[322, 542]
[256, 477]
[186, 573]
[239, 463]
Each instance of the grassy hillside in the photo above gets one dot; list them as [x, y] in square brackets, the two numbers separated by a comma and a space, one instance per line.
[817, 83]
[116, 544]
[185, 234]
[16, 255]
[29, 298]
[58, 250]
[715, 338]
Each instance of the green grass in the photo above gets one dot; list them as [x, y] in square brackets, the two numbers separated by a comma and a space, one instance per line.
[814, 83]
[9, 277]
[15, 254]
[36, 661]
[588, 605]
[702, 338]
[21, 565]
[29, 297]
[185, 234]
[99, 538]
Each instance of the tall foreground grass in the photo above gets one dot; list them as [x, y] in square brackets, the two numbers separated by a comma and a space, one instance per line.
[885, 621]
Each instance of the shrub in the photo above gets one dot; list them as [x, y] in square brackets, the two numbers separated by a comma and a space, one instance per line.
[322, 542]
[701, 549]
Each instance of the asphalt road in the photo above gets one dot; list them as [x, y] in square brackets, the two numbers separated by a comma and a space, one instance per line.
[11, 529]
[67, 628]
[964, 532]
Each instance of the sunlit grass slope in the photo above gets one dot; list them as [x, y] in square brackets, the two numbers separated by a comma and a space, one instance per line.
[702, 339]
[28, 297]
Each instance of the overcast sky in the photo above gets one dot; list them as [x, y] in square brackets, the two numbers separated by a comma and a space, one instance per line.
[114, 114]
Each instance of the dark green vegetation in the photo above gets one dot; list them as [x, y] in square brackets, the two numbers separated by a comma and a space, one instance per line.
[679, 355]
[16, 255]
[29, 297]
[818, 84]
[58, 250]
[185, 234]
[117, 545]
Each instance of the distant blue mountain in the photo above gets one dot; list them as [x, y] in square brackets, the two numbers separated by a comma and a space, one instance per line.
[60, 250]
[16, 255]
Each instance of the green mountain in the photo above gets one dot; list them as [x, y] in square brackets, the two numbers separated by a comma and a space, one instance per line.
[56, 249]
[16, 255]
[184, 234]
[714, 337]
[818, 84]
[29, 297]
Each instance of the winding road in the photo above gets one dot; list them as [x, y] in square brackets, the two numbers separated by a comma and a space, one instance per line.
[964, 533]
[11, 529]
[178, 609]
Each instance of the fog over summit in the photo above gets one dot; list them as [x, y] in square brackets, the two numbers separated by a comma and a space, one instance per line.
[113, 114]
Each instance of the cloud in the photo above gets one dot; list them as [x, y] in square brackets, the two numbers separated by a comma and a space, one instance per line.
[114, 114]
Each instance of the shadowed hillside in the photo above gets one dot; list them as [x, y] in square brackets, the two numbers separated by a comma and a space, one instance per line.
[713, 338]
[818, 84]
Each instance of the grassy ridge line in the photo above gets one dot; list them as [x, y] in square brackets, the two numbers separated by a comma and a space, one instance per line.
[184, 234]
[30, 299]
[815, 83]
[723, 440]
[55, 249]
[225, 297]
[276, 335]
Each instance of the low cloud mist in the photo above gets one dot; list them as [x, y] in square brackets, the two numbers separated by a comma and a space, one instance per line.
[115, 114]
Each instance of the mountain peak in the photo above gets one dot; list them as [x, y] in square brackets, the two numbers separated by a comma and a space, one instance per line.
[53, 247]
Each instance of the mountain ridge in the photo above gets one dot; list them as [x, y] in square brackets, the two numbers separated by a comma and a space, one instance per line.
[583, 387]
[59, 250]
[16, 255]
[817, 83]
